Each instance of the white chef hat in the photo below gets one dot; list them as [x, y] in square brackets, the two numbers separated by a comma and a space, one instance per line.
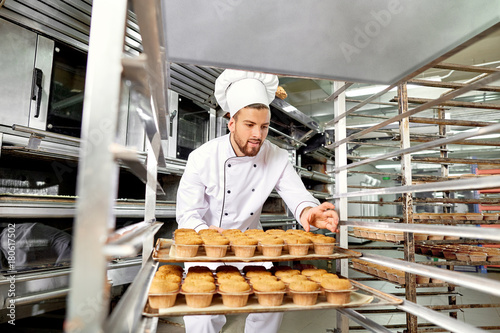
[235, 89]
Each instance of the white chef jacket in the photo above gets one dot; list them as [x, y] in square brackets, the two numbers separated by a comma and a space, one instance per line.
[219, 188]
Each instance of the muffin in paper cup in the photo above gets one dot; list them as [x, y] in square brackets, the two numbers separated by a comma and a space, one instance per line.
[270, 298]
[163, 300]
[304, 298]
[298, 249]
[235, 299]
[198, 300]
[269, 293]
[323, 248]
[244, 251]
[337, 291]
[198, 293]
[338, 297]
[216, 251]
[186, 251]
[271, 250]
[304, 293]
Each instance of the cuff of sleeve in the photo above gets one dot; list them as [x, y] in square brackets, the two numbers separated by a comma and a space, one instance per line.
[197, 225]
[301, 207]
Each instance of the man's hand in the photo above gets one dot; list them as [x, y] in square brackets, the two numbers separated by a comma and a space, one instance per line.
[216, 228]
[323, 216]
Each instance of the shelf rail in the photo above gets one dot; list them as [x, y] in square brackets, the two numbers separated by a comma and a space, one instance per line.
[466, 232]
[446, 97]
[449, 185]
[485, 285]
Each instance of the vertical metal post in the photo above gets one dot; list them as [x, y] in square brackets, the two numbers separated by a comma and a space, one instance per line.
[409, 248]
[341, 187]
[150, 199]
[98, 173]
[445, 171]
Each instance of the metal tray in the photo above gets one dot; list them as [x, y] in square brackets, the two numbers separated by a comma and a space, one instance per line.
[165, 252]
[363, 297]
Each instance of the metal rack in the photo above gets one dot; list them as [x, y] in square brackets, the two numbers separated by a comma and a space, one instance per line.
[88, 298]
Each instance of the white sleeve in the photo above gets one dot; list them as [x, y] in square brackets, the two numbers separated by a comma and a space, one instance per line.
[191, 205]
[291, 188]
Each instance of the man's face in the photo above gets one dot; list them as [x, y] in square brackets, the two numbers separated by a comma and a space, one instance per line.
[249, 130]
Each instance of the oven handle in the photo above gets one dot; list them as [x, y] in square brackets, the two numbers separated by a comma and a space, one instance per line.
[36, 89]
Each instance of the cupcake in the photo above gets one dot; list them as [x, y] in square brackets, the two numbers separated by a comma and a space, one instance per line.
[337, 291]
[304, 293]
[269, 293]
[173, 269]
[319, 277]
[244, 247]
[162, 293]
[323, 245]
[298, 246]
[198, 293]
[208, 232]
[171, 277]
[271, 246]
[216, 247]
[313, 271]
[226, 268]
[251, 274]
[187, 246]
[230, 277]
[234, 293]
[290, 272]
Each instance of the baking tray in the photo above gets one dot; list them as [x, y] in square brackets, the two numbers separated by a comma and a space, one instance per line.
[165, 252]
[363, 297]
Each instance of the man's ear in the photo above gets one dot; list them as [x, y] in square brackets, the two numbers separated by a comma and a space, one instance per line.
[231, 124]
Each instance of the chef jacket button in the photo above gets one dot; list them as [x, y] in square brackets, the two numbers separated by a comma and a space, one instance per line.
[253, 190]
[225, 214]
[255, 165]
[229, 165]
[228, 191]
[251, 213]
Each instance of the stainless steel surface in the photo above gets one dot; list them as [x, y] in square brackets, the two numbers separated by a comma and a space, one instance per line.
[127, 241]
[449, 185]
[341, 204]
[314, 175]
[67, 140]
[466, 232]
[26, 209]
[298, 143]
[17, 72]
[440, 319]
[294, 113]
[446, 97]
[43, 61]
[58, 293]
[363, 47]
[67, 21]
[142, 105]
[364, 321]
[153, 46]
[98, 173]
[484, 285]
[127, 313]
[131, 159]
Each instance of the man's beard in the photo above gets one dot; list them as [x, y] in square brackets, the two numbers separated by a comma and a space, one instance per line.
[244, 148]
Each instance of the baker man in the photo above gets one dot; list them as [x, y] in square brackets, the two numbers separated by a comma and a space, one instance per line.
[228, 179]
